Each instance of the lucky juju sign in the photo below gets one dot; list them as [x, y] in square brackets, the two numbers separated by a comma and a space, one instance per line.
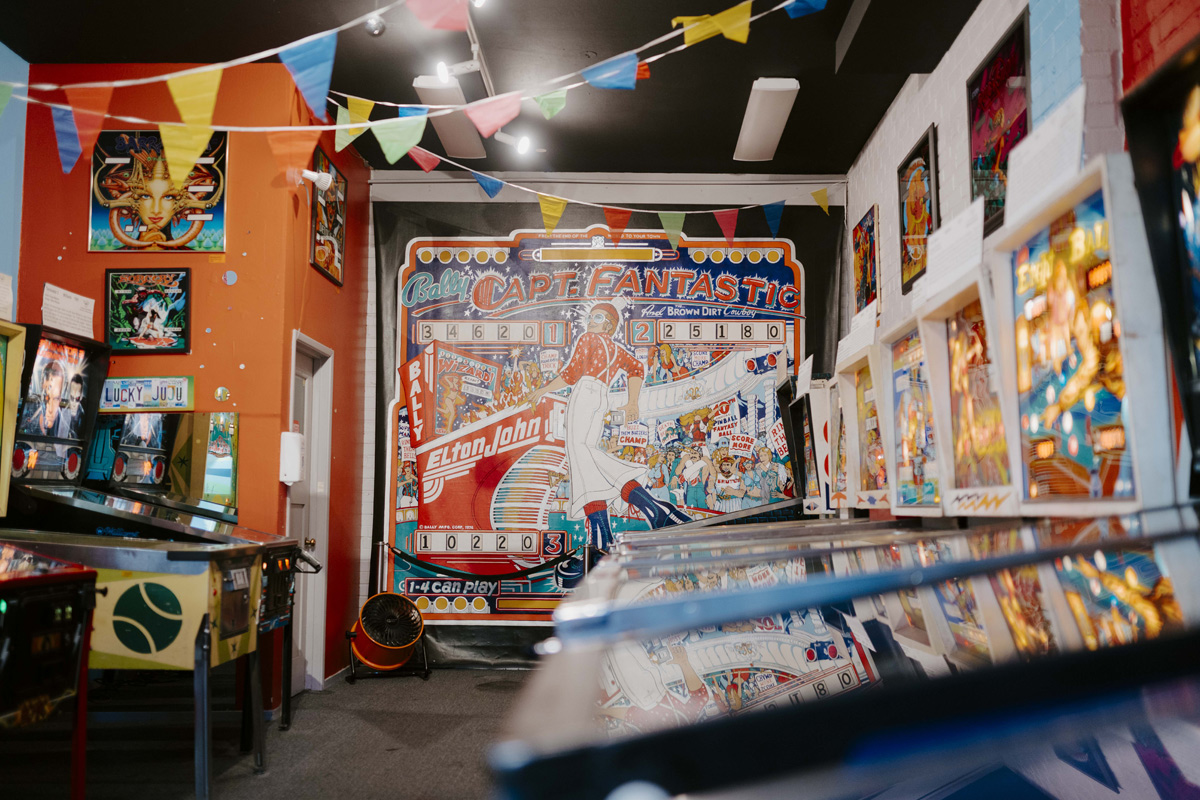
[561, 388]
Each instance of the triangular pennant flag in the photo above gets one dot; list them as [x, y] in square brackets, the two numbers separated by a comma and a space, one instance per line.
[425, 159]
[494, 113]
[618, 72]
[397, 137]
[774, 213]
[445, 15]
[705, 29]
[672, 222]
[552, 211]
[643, 71]
[360, 111]
[734, 22]
[5, 93]
[89, 106]
[490, 185]
[822, 198]
[293, 149]
[343, 136]
[802, 8]
[311, 66]
[412, 111]
[551, 102]
[68, 137]
[195, 95]
[727, 219]
[183, 145]
[617, 219]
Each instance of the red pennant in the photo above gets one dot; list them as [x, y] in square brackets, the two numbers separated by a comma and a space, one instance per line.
[617, 219]
[89, 105]
[643, 71]
[425, 159]
[293, 149]
[727, 219]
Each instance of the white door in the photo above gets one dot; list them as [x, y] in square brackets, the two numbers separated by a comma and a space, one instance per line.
[298, 516]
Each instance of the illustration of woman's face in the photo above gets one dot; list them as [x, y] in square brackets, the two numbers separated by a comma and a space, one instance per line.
[156, 200]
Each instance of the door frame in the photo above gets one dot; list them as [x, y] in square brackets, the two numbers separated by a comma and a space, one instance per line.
[319, 452]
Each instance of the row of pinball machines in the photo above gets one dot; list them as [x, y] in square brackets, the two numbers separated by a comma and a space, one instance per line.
[146, 502]
[1024, 619]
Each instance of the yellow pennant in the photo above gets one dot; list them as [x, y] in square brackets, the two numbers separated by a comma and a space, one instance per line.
[552, 211]
[195, 95]
[734, 22]
[360, 111]
[822, 198]
[706, 29]
[182, 145]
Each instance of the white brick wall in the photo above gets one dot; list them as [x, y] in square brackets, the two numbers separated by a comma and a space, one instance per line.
[368, 440]
[1101, 37]
[940, 98]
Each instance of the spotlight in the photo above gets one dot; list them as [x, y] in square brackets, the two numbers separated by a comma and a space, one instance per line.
[523, 145]
[321, 180]
[375, 26]
[478, 3]
[443, 72]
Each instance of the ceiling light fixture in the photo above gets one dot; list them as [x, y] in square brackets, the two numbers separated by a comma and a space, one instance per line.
[478, 3]
[457, 133]
[446, 72]
[375, 25]
[521, 145]
[771, 101]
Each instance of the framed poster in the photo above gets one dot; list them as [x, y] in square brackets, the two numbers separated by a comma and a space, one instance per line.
[998, 115]
[148, 311]
[137, 207]
[918, 206]
[561, 390]
[327, 249]
[916, 456]
[866, 259]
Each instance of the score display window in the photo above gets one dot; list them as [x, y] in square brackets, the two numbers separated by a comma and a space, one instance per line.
[477, 542]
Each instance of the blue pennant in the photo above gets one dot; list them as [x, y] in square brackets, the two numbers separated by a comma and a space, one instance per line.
[311, 65]
[773, 212]
[490, 185]
[802, 8]
[411, 111]
[69, 148]
[618, 72]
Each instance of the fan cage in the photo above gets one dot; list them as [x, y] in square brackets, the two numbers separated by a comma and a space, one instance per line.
[369, 648]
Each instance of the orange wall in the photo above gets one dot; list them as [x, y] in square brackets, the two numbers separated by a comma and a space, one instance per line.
[241, 334]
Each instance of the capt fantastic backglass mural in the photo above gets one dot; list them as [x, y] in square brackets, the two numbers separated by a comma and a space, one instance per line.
[558, 389]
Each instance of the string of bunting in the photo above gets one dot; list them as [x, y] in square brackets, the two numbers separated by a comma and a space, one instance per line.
[310, 63]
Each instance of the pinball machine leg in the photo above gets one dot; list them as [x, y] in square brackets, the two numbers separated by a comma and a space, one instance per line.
[254, 676]
[200, 683]
[285, 717]
[79, 732]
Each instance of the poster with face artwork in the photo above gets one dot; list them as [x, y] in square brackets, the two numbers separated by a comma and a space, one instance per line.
[866, 259]
[918, 207]
[327, 250]
[138, 207]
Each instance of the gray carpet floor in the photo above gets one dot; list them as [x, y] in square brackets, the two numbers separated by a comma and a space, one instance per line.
[401, 739]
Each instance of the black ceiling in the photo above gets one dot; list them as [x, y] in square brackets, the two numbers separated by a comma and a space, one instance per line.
[685, 118]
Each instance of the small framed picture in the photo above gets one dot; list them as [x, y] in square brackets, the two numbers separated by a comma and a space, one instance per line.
[998, 116]
[918, 206]
[328, 248]
[148, 312]
[866, 259]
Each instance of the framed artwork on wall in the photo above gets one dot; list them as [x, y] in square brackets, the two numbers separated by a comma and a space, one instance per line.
[918, 206]
[148, 312]
[998, 115]
[327, 250]
[866, 259]
[136, 206]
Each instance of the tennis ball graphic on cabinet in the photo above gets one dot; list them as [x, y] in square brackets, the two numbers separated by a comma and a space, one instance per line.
[147, 617]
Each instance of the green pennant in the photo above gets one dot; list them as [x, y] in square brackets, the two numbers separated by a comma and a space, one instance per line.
[672, 222]
[551, 102]
[342, 136]
[5, 93]
[398, 137]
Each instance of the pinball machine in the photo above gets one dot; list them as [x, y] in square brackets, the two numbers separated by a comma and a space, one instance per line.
[184, 591]
[655, 675]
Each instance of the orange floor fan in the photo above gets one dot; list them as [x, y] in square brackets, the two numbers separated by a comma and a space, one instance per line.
[387, 632]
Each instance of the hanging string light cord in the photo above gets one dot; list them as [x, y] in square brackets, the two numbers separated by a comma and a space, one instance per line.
[433, 111]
